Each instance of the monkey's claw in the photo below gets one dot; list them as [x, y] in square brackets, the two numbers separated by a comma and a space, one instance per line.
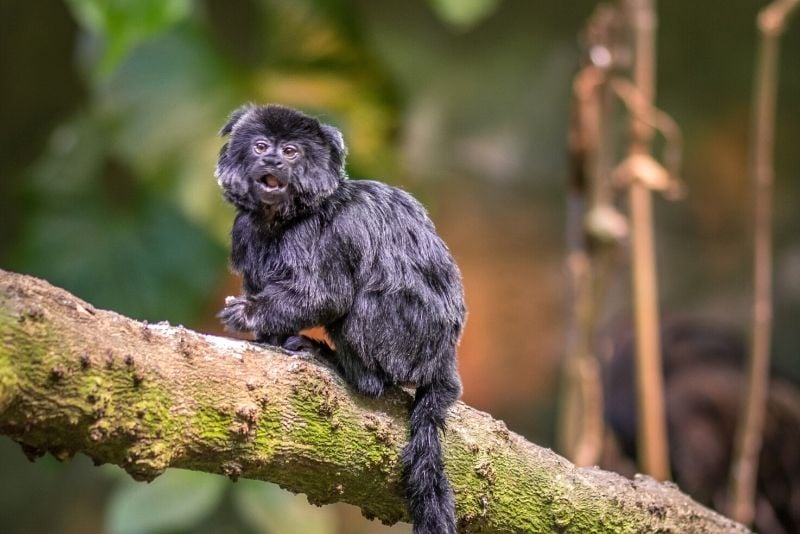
[235, 316]
[298, 345]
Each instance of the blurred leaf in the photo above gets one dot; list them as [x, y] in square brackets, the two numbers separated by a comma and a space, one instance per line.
[463, 14]
[123, 24]
[151, 264]
[267, 508]
[165, 120]
[177, 499]
[301, 33]
[99, 232]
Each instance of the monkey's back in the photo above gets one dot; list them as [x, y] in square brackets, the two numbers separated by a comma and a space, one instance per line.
[408, 303]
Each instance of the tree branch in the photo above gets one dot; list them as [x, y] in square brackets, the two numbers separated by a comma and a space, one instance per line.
[148, 397]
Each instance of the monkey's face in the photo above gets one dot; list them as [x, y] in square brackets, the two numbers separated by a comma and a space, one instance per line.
[279, 161]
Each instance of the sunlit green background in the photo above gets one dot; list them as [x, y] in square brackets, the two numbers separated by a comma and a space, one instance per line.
[109, 111]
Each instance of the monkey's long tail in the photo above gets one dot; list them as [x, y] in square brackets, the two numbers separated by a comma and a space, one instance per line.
[428, 491]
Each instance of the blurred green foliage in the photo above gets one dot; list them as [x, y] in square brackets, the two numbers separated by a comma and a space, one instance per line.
[178, 500]
[122, 24]
[267, 508]
[108, 236]
[185, 501]
[464, 14]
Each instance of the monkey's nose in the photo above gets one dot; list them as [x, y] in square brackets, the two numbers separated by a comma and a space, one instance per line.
[272, 161]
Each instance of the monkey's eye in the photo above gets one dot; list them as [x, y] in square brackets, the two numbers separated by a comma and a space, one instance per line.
[290, 151]
[259, 147]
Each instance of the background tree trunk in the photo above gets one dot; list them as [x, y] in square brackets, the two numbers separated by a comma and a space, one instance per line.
[147, 397]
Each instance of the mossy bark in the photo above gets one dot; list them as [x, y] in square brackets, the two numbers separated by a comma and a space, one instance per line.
[151, 396]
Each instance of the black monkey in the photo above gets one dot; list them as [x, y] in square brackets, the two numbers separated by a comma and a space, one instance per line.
[360, 258]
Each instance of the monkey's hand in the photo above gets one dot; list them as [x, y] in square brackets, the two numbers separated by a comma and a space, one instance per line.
[237, 315]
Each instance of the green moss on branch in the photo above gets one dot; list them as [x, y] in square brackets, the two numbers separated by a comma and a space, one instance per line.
[148, 397]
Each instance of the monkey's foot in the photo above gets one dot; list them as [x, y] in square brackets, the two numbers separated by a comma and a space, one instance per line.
[303, 344]
[272, 339]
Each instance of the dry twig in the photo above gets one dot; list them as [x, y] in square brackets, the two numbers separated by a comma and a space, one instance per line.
[594, 230]
[652, 441]
[744, 468]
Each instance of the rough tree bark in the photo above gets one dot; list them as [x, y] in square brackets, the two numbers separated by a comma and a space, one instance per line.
[151, 396]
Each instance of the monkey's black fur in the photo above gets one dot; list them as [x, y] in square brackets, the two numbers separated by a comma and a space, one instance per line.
[358, 257]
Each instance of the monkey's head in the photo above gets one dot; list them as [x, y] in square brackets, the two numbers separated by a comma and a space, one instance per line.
[278, 161]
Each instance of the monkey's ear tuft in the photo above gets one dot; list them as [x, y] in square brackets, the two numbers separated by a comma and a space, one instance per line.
[235, 117]
[336, 141]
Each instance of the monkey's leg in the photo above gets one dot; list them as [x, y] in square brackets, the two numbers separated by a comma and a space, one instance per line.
[356, 374]
[366, 380]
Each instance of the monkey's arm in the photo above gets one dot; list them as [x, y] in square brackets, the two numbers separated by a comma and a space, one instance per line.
[304, 286]
[286, 307]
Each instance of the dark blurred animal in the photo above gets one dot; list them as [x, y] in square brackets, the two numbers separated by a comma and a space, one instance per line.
[704, 386]
[360, 258]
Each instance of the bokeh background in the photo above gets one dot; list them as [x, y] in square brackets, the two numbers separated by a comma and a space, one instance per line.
[108, 117]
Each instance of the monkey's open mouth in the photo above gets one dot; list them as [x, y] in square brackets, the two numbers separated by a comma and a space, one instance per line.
[272, 183]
